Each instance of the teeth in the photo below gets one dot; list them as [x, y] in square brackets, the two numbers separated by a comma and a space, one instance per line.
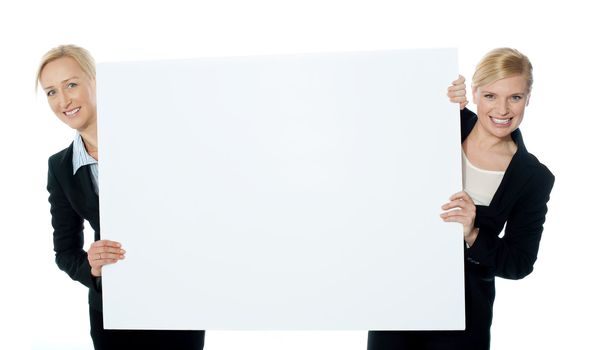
[501, 121]
[72, 112]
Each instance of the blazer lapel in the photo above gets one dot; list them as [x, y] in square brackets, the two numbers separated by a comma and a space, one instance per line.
[80, 189]
[83, 183]
[518, 173]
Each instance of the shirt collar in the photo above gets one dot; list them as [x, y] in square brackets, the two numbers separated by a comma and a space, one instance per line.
[80, 156]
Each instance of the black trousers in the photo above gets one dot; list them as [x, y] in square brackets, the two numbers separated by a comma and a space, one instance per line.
[429, 340]
[142, 339]
[479, 296]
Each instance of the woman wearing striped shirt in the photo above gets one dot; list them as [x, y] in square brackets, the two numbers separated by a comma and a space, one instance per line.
[67, 75]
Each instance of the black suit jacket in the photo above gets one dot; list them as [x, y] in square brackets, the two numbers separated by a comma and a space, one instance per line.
[519, 205]
[73, 200]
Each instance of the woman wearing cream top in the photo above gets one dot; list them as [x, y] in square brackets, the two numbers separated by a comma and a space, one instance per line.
[505, 186]
[480, 184]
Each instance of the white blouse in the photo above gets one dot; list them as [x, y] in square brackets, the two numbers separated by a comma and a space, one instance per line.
[480, 184]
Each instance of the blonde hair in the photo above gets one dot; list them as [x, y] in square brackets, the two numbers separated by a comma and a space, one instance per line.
[502, 63]
[79, 54]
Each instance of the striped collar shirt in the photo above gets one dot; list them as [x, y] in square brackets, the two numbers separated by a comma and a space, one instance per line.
[81, 158]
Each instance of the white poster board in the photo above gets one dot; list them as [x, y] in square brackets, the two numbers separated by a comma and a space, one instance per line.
[282, 192]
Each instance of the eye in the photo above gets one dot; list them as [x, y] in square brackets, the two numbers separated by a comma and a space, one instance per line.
[50, 93]
[489, 96]
[516, 98]
[71, 85]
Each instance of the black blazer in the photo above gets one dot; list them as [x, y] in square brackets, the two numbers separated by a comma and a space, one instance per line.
[73, 200]
[520, 205]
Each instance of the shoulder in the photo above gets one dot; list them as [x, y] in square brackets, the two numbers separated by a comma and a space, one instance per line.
[61, 159]
[467, 121]
[467, 115]
[542, 179]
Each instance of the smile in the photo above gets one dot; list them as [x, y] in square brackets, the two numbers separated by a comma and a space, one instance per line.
[72, 112]
[502, 122]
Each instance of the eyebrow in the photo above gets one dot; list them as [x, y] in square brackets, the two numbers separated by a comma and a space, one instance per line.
[63, 81]
[493, 93]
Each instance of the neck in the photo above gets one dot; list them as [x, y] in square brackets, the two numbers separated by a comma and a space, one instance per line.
[89, 136]
[484, 141]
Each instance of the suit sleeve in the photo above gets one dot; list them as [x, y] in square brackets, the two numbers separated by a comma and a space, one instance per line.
[513, 255]
[68, 235]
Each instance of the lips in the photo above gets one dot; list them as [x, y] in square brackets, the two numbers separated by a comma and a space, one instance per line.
[72, 112]
[501, 121]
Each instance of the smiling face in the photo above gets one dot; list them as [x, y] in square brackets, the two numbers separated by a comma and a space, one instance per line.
[70, 92]
[501, 105]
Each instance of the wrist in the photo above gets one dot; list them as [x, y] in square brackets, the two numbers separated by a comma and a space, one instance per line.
[471, 236]
[95, 273]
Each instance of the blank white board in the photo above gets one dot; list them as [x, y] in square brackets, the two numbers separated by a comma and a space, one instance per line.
[282, 192]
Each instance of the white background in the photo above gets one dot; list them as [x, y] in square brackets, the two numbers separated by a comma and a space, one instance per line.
[41, 307]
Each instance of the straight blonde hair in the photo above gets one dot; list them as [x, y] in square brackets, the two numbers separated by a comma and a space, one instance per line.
[502, 63]
[78, 54]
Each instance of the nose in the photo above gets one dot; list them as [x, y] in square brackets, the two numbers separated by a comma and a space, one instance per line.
[502, 107]
[64, 100]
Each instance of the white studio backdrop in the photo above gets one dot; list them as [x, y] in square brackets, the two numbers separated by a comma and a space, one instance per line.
[43, 309]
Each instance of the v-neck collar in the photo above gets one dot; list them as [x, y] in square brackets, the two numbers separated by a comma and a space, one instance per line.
[84, 189]
[517, 172]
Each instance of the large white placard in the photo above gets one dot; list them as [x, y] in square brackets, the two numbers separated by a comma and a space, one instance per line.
[282, 192]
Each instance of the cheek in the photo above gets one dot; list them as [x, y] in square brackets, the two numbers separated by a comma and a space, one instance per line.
[92, 101]
[483, 107]
[520, 109]
[90, 98]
